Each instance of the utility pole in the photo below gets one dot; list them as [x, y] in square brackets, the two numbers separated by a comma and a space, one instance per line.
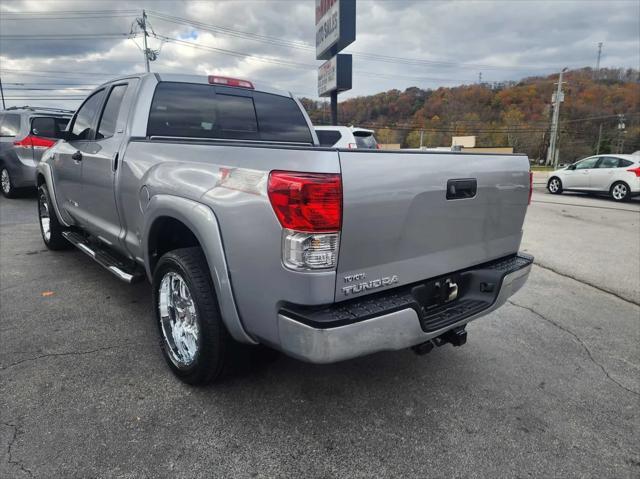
[599, 139]
[4, 107]
[621, 132]
[142, 23]
[597, 70]
[421, 138]
[558, 97]
[334, 107]
[480, 78]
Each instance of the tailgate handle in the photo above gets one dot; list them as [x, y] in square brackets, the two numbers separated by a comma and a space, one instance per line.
[462, 188]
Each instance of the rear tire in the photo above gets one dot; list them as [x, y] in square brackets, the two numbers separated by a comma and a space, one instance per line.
[6, 184]
[554, 185]
[50, 228]
[193, 338]
[620, 191]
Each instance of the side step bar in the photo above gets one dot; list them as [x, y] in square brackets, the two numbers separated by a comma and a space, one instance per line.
[105, 258]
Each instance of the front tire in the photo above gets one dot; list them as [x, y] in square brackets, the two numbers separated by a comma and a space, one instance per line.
[554, 185]
[620, 191]
[6, 184]
[50, 228]
[193, 338]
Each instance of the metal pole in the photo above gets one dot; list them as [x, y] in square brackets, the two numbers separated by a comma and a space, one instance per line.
[421, 137]
[146, 49]
[334, 107]
[552, 155]
[598, 61]
[4, 107]
[599, 139]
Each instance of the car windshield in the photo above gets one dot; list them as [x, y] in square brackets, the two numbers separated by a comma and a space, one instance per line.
[365, 139]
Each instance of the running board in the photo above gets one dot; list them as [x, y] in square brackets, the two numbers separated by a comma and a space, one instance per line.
[105, 258]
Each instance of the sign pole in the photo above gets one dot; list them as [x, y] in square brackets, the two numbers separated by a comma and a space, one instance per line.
[334, 107]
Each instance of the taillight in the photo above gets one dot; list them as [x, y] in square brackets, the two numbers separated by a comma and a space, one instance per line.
[635, 170]
[530, 187]
[352, 146]
[309, 202]
[36, 142]
[309, 208]
[218, 80]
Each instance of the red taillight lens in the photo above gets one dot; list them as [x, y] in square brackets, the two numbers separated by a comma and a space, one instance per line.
[635, 170]
[35, 142]
[218, 80]
[306, 201]
[530, 187]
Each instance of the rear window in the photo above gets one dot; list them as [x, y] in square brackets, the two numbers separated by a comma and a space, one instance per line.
[328, 137]
[49, 126]
[10, 125]
[365, 140]
[206, 111]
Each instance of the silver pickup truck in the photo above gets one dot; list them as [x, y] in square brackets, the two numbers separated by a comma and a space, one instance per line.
[217, 191]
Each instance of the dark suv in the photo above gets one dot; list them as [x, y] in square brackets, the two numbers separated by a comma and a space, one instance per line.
[25, 132]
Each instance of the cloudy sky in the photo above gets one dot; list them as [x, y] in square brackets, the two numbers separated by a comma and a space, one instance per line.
[61, 49]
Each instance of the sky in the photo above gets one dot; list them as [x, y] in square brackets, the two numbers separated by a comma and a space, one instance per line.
[54, 52]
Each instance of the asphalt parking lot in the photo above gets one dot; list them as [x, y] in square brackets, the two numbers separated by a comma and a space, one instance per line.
[547, 386]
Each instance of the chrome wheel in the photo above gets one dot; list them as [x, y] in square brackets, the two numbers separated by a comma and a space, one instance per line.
[45, 219]
[619, 191]
[5, 181]
[554, 185]
[178, 320]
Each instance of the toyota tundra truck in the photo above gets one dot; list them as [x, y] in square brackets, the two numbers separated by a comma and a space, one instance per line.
[217, 192]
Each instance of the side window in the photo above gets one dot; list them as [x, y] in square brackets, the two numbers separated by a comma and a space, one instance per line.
[624, 163]
[586, 164]
[328, 137]
[48, 126]
[83, 122]
[10, 126]
[280, 119]
[107, 125]
[608, 162]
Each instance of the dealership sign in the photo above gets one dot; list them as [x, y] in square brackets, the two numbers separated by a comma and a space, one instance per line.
[335, 26]
[335, 75]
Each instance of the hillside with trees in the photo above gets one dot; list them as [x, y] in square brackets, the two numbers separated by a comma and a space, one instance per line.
[513, 114]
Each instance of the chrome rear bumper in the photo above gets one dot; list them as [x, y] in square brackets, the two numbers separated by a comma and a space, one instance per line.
[396, 330]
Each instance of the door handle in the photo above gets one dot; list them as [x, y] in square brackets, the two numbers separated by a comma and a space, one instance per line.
[77, 156]
[463, 188]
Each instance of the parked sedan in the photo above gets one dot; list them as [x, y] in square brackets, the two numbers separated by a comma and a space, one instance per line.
[617, 176]
[25, 132]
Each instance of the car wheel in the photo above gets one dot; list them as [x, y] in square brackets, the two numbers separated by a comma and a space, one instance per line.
[50, 227]
[554, 185]
[193, 338]
[620, 191]
[6, 185]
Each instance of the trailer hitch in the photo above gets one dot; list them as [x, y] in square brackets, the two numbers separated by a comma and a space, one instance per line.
[456, 337]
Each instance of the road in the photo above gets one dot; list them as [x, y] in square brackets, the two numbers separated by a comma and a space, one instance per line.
[547, 386]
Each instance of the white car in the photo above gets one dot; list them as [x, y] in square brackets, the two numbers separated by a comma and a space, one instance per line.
[615, 175]
[346, 137]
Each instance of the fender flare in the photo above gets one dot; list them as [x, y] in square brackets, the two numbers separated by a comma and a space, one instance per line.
[202, 221]
[44, 169]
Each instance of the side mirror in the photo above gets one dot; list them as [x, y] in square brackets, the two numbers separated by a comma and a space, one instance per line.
[571, 167]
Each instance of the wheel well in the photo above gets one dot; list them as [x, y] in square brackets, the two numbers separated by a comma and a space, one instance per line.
[167, 234]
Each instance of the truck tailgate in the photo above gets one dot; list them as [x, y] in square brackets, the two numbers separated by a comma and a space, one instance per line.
[399, 227]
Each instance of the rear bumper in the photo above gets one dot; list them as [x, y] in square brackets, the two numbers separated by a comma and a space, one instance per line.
[388, 331]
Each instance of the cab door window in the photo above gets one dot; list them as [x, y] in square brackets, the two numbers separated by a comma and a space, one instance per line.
[82, 128]
[109, 119]
[587, 164]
